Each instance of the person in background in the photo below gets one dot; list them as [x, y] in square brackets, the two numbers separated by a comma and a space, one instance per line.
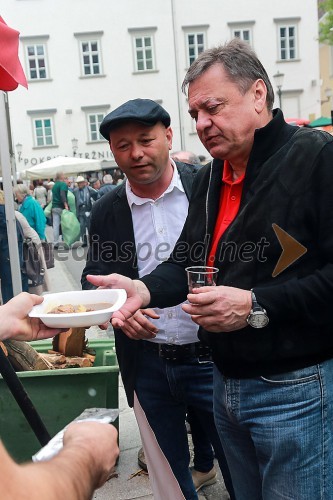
[90, 448]
[49, 186]
[167, 369]
[186, 157]
[95, 183]
[69, 183]
[29, 232]
[48, 209]
[263, 209]
[118, 177]
[107, 185]
[70, 196]
[31, 210]
[84, 197]
[40, 194]
[5, 269]
[59, 203]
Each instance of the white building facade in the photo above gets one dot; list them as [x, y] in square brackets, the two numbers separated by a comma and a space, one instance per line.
[83, 58]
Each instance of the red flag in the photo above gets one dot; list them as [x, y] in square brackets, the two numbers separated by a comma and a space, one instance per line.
[11, 72]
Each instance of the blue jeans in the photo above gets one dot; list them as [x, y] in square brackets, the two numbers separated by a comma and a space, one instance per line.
[165, 389]
[277, 433]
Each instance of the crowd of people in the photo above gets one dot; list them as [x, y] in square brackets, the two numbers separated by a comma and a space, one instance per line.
[248, 362]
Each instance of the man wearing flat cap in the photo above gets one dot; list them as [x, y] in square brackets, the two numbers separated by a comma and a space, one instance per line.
[133, 229]
[84, 198]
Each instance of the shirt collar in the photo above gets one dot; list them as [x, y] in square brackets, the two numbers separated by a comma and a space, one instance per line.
[227, 176]
[175, 183]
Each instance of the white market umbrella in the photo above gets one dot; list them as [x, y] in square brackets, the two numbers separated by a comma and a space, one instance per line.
[67, 164]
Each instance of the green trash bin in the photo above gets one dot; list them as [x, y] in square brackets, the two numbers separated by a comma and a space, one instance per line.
[59, 397]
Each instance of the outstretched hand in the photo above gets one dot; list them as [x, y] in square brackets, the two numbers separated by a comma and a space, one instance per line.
[16, 324]
[137, 295]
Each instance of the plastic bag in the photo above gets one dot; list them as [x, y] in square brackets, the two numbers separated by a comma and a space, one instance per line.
[48, 210]
[71, 202]
[102, 415]
[70, 227]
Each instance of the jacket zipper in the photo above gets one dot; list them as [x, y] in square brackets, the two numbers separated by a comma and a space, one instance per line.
[206, 232]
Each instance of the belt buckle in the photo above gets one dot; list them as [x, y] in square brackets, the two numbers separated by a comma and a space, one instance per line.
[168, 352]
[204, 353]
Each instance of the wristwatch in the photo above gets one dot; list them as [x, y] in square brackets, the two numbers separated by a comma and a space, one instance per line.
[258, 317]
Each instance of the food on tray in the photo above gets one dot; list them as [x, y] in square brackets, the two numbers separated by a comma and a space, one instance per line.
[70, 308]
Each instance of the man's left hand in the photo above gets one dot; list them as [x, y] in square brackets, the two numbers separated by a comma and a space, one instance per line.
[219, 308]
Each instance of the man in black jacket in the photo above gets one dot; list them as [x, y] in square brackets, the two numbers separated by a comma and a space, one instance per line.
[269, 319]
[165, 368]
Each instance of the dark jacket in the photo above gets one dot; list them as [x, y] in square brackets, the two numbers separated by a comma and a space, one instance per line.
[84, 199]
[288, 182]
[112, 250]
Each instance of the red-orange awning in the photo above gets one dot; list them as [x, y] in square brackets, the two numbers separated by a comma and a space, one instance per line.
[11, 72]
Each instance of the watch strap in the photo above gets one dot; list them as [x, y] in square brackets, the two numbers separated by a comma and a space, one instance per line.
[255, 305]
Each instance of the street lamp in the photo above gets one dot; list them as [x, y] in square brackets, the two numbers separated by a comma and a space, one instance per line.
[74, 145]
[278, 79]
[19, 148]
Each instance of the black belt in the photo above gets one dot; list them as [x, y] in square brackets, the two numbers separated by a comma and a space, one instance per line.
[176, 352]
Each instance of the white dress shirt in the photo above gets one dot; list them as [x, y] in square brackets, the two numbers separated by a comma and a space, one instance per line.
[157, 225]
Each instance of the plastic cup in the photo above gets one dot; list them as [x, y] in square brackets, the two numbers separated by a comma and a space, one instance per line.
[198, 276]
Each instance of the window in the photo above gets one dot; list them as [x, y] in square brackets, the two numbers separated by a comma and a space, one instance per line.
[195, 41]
[94, 123]
[287, 39]
[244, 35]
[195, 45]
[36, 61]
[90, 53]
[90, 58]
[94, 117]
[287, 42]
[242, 30]
[144, 53]
[43, 132]
[143, 49]
[43, 128]
[35, 50]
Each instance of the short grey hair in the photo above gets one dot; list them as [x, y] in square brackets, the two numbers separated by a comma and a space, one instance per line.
[240, 63]
[107, 179]
[21, 189]
[59, 176]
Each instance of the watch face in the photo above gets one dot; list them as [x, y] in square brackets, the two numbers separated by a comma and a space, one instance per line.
[258, 319]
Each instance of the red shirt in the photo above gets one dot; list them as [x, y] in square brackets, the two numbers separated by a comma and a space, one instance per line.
[230, 198]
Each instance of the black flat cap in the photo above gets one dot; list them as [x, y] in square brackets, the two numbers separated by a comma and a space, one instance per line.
[139, 110]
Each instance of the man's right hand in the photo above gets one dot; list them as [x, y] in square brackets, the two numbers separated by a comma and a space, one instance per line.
[138, 295]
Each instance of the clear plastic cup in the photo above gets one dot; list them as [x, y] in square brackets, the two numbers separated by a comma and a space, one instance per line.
[198, 276]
